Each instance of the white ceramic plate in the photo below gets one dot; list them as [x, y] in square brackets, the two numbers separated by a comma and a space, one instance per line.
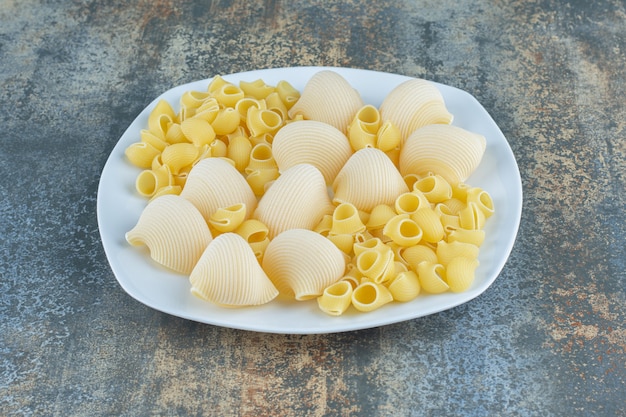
[119, 207]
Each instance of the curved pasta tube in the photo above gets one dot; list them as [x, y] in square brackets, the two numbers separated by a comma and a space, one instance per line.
[174, 232]
[472, 217]
[312, 142]
[367, 180]
[275, 104]
[475, 237]
[369, 296]
[193, 99]
[226, 121]
[432, 277]
[287, 93]
[179, 156]
[244, 105]
[228, 94]
[302, 263]
[402, 230]
[298, 199]
[405, 286]
[150, 181]
[324, 226]
[260, 179]
[238, 150]
[434, 187]
[343, 241]
[430, 224]
[152, 139]
[213, 183]
[162, 108]
[260, 121]
[388, 137]
[198, 131]
[410, 202]
[229, 275]
[414, 255]
[336, 298]
[482, 199]
[379, 216]
[448, 218]
[227, 219]
[208, 110]
[256, 89]
[377, 265]
[256, 234]
[218, 149]
[261, 157]
[460, 273]
[141, 154]
[346, 220]
[446, 251]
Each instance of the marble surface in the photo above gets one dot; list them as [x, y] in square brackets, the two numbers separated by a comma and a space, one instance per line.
[548, 338]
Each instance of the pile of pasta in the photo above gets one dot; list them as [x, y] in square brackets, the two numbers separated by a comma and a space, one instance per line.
[259, 191]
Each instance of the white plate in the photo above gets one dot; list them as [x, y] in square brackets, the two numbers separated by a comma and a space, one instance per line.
[119, 207]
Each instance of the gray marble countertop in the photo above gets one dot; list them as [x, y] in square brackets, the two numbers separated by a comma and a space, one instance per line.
[546, 339]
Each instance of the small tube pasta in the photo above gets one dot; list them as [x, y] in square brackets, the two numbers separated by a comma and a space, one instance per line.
[227, 219]
[275, 104]
[228, 95]
[198, 131]
[369, 296]
[262, 121]
[336, 298]
[472, 217]
[162, 108]
[256, 89]
[261, 157]
[359, 136]
[238, 150]
[434, 187]
[388, 137]
[179, 156]
[226, 121]
[460, 273]
[256, 234]
[475, 237]
[414, 255]
[430, 224]
[259, 179]
[149, 137]
[369, 244]
[403, 231]
[343, 241]
[379, 216]
[482, 199]
[411, 202]
[287, 93]
[432, 277]
[448, 251]
[150, 181]
[141, 154]
[346, 220]
[405, 286]
[377, 265]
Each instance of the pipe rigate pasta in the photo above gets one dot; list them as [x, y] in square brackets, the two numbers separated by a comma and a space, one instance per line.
[261, 121]
[256, 234]
[257, 89]
[228, 274]
[287, 93]
[416, 254]
[430, 224]
[198, 131]
[227, 219]
[410, 202]
[432, 277]
[434, 187]
[215, 183]
[475, 237]
[472, 217]
[329, 98]
[179, 156]
[226, 121]
[482, 199]
[336, 298]
[141, 154]
[369, 296]
[367, 180]
[346, 220]
[162, 108]
[298, 199]
[403, 231]
[460, 273]
[311, 142]
[174, 231]
[405, 286]
[238, 150]
[377, 265]
[446, 251]
[450, 151]
[413, 104]
[302, 263]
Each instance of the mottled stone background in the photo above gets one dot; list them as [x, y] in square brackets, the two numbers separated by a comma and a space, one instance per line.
[548, 338]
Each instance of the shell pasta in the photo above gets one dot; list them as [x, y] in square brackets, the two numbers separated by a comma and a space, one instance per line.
[258, 192]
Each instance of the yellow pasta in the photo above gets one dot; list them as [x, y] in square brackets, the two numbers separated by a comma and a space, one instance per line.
[434, 187]
[141, 154]
[369, 244]
[410, 202]
[260, 179]
[432, 277]
[261, 121]
[256, 89]
[460, 273]
[152, 139]
[162, 108]
[405, 286]
[388, 137]
[179, 156]
[475, 237]
[346, 220]
[150, 181]
[261, 157]
[287, 93]
[228, 95]
[256, 234]
[448, 251]
[174, 231]
[430, 224]
[482, 199]
[229, 275]
[414, 255]
[198, 131]
[239, 149]
[402, 230]
[379, 216]
[226, 121]
[369, 296]
[275, 104]
[336, 298]
[377, 265]
[472, 217]
[302, 263]
[344, 242]
[227, 219]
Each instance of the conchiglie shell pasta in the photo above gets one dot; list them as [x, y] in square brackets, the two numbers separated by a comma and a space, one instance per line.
[214, 183]
[302, 263]
[312, 142]
[329, 98]
[228, 274]
[298, 199]
[174, 231]
[450, 151]
[413, 104]
[368, 179]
